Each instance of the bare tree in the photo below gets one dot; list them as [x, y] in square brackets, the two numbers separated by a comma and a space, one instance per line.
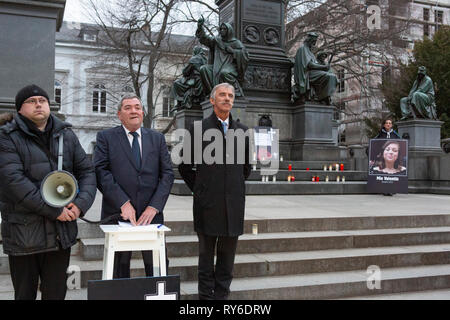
[364, 53]
[139, 34]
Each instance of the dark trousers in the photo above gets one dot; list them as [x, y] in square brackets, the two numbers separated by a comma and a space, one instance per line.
[214, 283]
[49, 267]
[122, 264]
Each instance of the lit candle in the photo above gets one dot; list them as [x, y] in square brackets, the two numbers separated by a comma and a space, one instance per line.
[337, 178]
[337, 167]
[281, 158]
[289, 178]
[317, 179]
[342, 167]
[274, 178]
[292, 178]
[330, 168]
[325, 168]
[254, 156]
[343, 178]
[255, 229]
[290, 167]
[327, 179]
[313, 179]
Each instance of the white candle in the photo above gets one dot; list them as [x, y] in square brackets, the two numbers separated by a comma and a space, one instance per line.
[274, 178]
[326, 179]
[325, 168]
[343, 178]
[281, 158]
[337, 178]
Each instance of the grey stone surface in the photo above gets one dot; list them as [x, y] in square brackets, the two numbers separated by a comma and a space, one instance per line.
[28, 48]
[424, 135]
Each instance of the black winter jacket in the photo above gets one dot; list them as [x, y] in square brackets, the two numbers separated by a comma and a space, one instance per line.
[29, 225]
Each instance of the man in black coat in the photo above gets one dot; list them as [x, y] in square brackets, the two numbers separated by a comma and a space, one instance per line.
[134, 174]
[219, 195]
[36, 236]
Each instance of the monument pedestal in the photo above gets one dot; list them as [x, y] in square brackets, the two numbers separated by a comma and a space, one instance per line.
[424, 135]
[313, 137]
[424, 147]
[185, 117]
[28, 46]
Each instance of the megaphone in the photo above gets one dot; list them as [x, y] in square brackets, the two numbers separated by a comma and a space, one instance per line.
[59, 187]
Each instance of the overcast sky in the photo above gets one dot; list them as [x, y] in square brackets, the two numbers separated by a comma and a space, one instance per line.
[75, 12]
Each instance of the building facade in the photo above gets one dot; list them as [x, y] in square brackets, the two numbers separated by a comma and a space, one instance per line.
[401, 23]
[90, 80]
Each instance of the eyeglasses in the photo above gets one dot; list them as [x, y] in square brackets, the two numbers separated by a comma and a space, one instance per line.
[36, 101]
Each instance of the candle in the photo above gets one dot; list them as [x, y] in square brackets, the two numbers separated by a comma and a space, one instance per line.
[343, 178]
[327, 179]
[274, 178]
[317, 179]
[330, 168]
[325, 168]
[292, 178]
[281, 158]
[337, 178]
[255, 229]
[337, 167]
[254, 167]
[290, 167]
[307, 169]
[313, 179]
[263, 179]
[342, 167]
[254, 156]
[289, 178]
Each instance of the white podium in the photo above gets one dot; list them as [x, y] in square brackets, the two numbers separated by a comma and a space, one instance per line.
[118, 238]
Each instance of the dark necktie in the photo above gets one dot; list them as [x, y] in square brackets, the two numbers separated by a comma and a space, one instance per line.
[136, 150]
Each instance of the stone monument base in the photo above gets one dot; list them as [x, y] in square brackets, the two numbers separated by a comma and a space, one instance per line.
[185, 117]
[424, 135]
[313, 137]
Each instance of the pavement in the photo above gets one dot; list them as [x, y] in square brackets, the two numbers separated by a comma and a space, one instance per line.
[179, 208]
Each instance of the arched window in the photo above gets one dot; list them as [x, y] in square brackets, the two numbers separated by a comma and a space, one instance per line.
[99, 98]
[58, 90]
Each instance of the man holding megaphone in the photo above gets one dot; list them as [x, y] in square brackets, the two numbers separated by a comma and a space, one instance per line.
[39, 199]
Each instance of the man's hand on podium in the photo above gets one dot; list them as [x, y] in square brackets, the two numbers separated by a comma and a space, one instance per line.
[128, 212]
[147, 216]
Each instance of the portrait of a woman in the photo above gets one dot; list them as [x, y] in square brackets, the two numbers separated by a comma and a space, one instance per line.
[390, 159]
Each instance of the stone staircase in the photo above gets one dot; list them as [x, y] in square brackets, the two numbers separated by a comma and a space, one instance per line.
[304, 258]
[303, 171]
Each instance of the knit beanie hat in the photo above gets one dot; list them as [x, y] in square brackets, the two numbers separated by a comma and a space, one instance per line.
[29, 91]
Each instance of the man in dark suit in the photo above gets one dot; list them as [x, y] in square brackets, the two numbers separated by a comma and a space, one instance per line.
[134, 174]
[219, 197]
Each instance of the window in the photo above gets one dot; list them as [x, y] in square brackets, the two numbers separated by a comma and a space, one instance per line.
[341, 80]
[386, 74]
[426, 18]
[438, 18]
[58, 89]
[99, 99]
[89, 37]
[168, 102]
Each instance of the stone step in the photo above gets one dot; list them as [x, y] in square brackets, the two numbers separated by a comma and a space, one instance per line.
[332, 285]
[303, 262]
[288, 188]
[443, 294]
[178, 228]
[182, 246]
[304, 175]
[303, 165]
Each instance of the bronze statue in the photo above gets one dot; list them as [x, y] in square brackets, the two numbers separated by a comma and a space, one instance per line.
[314, 80]
[188, 90]
[420, 101]
[228, 55]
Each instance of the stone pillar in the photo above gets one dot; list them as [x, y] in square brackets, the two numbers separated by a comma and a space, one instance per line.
[313, 133]
[424, 135]
[185, 117]
[27, 52]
